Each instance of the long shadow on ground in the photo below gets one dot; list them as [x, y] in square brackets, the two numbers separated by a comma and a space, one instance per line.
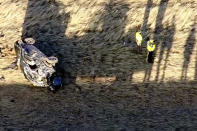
[162, 36]
[46, 21]
[189, 49]
[138, 106]
[119, 106]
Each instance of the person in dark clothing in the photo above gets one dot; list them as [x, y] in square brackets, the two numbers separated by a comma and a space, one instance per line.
[150, 50]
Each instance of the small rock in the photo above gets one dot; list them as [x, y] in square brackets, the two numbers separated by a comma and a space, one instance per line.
[2, 78]
[1, 34]
[12, 100]
[3, 55]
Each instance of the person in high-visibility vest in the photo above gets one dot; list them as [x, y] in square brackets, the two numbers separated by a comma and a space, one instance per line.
[150, 50]
[138, 37]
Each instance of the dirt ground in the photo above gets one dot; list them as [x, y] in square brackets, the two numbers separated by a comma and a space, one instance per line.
[107, 85]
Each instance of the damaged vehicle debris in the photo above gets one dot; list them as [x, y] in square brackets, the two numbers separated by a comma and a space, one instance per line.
[36, 66]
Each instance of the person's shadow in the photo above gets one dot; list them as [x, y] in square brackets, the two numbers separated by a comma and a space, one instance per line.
[189, 50]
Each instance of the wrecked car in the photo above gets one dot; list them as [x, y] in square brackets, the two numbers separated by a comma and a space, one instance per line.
[36, 66]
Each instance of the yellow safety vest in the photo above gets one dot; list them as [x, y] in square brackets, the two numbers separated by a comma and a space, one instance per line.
[150, 45]
[138, 38]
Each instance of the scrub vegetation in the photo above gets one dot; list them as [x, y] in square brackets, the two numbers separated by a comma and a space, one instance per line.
[107, 85]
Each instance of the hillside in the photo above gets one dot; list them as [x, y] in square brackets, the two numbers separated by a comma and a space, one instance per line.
[107, 85]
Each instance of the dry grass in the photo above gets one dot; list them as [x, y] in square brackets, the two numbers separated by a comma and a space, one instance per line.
[88, 37]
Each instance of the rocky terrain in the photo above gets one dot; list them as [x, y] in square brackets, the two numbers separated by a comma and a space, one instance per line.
[107, 85]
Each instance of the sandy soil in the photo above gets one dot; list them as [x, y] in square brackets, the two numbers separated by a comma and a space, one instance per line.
[107, 85]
